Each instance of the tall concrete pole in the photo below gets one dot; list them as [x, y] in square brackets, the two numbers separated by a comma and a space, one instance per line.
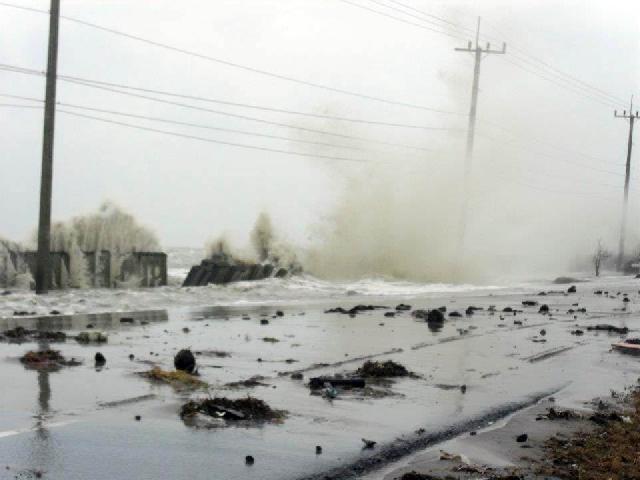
[43, 265]
[623, 226]
[477, 50]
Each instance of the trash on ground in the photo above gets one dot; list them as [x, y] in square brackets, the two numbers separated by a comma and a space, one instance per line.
[177, 378]
[47, 360]
[247, 409]
[382, 369]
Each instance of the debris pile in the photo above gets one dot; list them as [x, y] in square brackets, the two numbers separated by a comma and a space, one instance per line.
[242, 409]
[382, 369]
[611, 451]
[177, 378]
[47, 360]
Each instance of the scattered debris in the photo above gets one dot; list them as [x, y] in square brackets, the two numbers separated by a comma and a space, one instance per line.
[355, 310]
[368, 444]
[449, 456]
[255, 381]
[242, 409]
[609, 328]
[21, 334]
[178, 378]
[47, 360]
[382, 369]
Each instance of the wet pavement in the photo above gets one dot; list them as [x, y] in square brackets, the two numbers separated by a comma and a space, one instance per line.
[79, 422]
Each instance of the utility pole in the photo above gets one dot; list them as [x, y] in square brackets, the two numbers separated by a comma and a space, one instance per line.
[631, 116]
[43, 265]
[478, 51]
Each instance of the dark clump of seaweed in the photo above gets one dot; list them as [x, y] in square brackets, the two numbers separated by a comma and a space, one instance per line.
[386, 369]
[248, 408]
[610, 451]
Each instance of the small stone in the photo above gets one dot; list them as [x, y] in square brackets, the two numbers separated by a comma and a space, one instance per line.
[522, 438]
[543, 332]
[279, 313]
[186, 330]
[138, 418]
[249, 460]
[318, 450]
[131, 356]
[100, 360]
[264, 321]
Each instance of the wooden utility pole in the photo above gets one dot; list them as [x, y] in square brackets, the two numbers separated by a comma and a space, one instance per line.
[478, 51]
[631, 116]
[43, 265]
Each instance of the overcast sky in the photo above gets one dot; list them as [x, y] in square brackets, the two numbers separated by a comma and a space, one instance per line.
[558, 144]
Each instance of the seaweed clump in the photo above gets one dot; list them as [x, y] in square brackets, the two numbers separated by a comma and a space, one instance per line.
[386, 369]
[177, 378]
[47, 360]
[247, 409]
[611, 451]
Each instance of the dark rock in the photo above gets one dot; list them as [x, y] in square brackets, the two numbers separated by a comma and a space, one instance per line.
[577, 332]
[572, 289]
[597, 292]
[507, 309]
[443, 309]
[544, 309]
[264, 321]
[318, 450]
[249, 460]
[455, 314]
[297, 376]
[126, 320]
[402, 306]
[390, 314]
[279, 313]
[100, 360]
[529, 303]
[131, 356]
[368, 444]
[543, 332]
[522, 438]
[138, 418]
[54, 312]
[626, 299]
[185, 361]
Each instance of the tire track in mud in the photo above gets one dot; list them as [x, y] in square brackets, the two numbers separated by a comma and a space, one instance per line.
[404, 446]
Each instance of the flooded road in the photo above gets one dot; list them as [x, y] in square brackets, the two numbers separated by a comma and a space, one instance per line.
[79, 422]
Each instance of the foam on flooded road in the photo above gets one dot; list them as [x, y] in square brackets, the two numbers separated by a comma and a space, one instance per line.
[79, 423]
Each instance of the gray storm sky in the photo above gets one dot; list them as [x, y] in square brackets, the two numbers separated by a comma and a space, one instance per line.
[189, 191]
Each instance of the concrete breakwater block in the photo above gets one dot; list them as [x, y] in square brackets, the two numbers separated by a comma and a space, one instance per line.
[210, 272]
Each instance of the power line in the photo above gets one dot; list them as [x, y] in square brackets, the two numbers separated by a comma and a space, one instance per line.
[579, 86]
[236, 65]
[503, 143]
[235, 115]
[219, 142]
[229, 103]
